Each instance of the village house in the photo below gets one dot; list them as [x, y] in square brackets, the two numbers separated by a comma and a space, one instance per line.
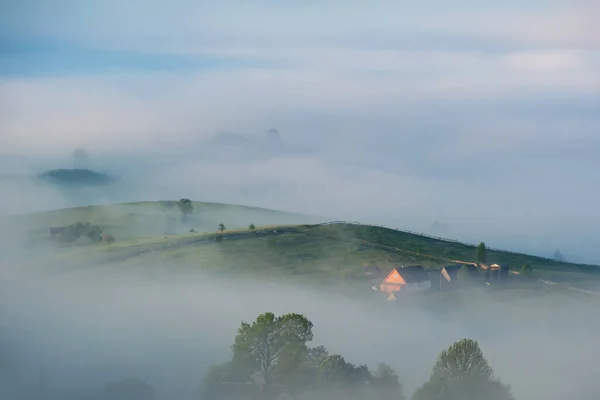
[406, 279]
[497, 273]
[448, 278]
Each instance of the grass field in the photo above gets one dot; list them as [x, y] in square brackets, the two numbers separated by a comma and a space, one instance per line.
[132, 221]
[288, 246]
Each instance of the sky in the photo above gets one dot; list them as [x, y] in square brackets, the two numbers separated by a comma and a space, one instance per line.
[481, 115]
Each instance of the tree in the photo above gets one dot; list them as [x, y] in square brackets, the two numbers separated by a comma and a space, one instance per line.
[252, 228]
[526, 271]
[129, 389]
[186, 207]
[258, 346]
[387, 383]
[558, 256]
[299, 369]
[481, 253]
[272, 352]
[462, 372]
[222, 227]
[81, 160]
[334, 370]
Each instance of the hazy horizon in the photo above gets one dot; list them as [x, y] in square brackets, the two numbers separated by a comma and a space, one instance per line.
[480, 115]
[474, 120]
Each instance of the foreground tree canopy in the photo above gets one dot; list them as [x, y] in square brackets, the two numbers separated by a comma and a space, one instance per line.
[462, 372]
[271, 356]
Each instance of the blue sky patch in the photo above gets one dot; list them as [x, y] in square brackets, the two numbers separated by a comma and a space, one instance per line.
[47, 58]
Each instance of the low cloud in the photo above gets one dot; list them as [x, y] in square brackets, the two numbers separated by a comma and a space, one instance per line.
[92, 326]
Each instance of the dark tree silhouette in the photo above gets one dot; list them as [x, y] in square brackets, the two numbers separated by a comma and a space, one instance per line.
[462, 372]
[481, 253]
[186, 207]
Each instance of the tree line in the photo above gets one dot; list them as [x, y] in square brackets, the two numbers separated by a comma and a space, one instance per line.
[271, 359]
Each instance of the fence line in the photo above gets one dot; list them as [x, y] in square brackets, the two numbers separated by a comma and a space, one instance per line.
[422, 235]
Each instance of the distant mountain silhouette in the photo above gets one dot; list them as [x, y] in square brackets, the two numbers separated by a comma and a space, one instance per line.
[438, 227]
[76, 177]
[81, 159]
[558, 256]
[273, 140]
[273, 134]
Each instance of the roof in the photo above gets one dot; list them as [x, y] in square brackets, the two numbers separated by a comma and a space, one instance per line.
[413, 273]
[452, 270]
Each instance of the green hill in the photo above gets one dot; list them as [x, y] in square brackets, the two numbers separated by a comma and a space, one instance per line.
[285, 246]
[132, 221]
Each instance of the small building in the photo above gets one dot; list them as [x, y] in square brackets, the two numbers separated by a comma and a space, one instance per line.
[448, 278]
[472, 271]
[410, 278]
[497, 273]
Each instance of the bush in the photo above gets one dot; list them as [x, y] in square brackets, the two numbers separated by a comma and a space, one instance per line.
[526, 271]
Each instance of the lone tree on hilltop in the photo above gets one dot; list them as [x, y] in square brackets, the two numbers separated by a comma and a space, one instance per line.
[462, 372]
[252, 228]
[81, 159]
[186, 207]
[481, 254]
[558, 256]
[222, 227]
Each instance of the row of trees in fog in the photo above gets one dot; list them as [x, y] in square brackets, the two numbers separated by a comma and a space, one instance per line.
[271, 359]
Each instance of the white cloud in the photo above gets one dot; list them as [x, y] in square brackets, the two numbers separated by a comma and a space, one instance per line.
[545, 61]
[129, 109]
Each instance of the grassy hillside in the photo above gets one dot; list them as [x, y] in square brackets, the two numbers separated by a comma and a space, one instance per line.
[334, 254]
[133, 221]
[151, 235]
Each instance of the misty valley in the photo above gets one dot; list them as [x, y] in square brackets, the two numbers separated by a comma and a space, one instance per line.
[194, 300]
[299, 200]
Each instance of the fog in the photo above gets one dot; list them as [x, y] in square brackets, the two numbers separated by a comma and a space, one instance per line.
[76, 327]
[478, 117]
[525, 214]
[85, 328]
